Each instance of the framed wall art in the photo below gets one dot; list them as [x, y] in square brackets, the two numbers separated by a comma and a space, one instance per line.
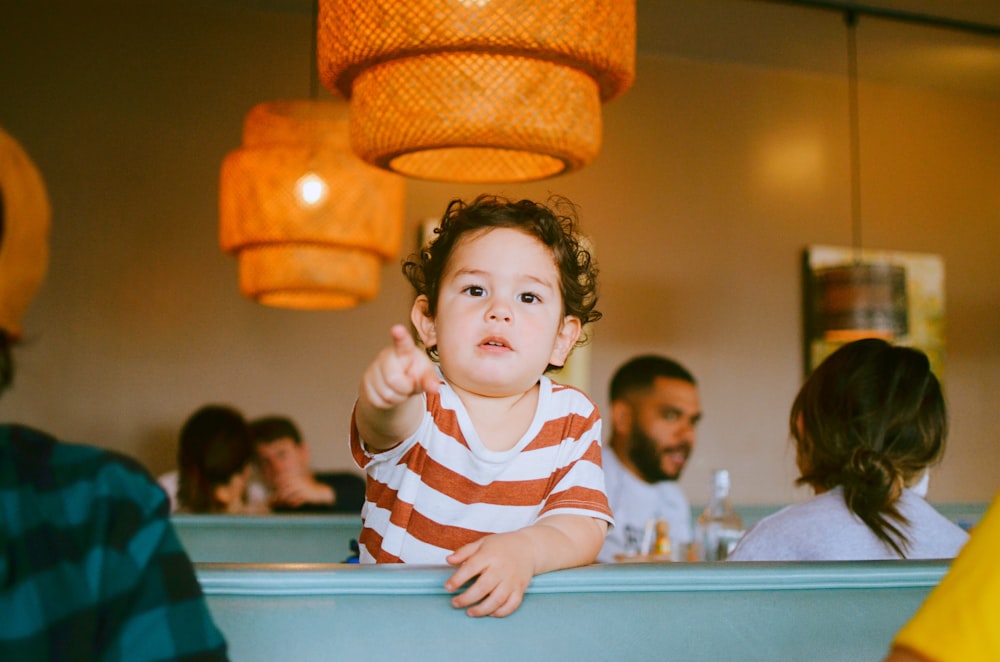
[891, 294]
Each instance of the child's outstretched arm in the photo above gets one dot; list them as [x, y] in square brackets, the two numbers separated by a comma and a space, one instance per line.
[388, 408]
[503, 564]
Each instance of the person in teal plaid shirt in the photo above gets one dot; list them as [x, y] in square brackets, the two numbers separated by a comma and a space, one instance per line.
[90, 565]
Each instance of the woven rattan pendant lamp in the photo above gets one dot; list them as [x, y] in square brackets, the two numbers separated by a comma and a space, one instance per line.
[309, 221]
[859, 300]
[477, 90]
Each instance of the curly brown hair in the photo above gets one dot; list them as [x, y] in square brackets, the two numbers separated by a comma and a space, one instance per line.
[555, 224]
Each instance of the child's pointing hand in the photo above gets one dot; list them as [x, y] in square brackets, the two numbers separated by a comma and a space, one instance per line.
[398, 372]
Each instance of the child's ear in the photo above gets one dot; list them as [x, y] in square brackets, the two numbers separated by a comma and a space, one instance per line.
[566, 339]
[423, 322]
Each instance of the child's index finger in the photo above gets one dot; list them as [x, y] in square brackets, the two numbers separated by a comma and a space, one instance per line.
[402, 341]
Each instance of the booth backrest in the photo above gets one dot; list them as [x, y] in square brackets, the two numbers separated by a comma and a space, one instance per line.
[327, 538]
[681, 611]
[267, 538]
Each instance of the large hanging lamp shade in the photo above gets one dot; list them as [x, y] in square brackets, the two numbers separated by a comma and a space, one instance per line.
[310, 223]
[477, 90]
[25, 217]
[861, 300]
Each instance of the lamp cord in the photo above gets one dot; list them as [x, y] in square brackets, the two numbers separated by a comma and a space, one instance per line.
[313, 64]
[851, 18]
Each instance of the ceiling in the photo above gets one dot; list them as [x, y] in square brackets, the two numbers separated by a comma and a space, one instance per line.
[951, 45]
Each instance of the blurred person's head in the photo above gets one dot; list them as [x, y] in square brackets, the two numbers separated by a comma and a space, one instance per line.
[655, 411]
[871, 418]
[279, 448]
[214, 460]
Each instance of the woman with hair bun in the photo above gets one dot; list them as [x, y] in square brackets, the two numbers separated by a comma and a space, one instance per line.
[867, 424]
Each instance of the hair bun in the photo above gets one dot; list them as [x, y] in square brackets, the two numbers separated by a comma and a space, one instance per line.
[874, 474]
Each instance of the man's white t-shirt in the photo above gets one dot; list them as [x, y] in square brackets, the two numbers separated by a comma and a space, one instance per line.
[634, 502]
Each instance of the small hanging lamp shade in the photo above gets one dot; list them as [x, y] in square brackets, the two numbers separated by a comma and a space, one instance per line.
[308, 220]
[25, 216]
[477, 90]
[861, 300]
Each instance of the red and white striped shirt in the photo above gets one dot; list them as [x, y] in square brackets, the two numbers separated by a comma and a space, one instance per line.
[441, 488]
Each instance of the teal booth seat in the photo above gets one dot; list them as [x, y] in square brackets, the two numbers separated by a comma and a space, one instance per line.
[679, 611]
[267, 538]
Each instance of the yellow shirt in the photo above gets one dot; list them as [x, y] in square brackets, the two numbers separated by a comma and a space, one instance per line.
[960, 620]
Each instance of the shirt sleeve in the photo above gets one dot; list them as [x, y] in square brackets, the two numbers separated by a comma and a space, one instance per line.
[579, 481]
[153, 605]
[959, 620]
[363, 457]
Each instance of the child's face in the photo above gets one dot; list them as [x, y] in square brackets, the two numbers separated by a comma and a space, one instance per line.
[500, 317]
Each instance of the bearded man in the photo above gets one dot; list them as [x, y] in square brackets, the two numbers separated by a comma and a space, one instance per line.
[654, 415]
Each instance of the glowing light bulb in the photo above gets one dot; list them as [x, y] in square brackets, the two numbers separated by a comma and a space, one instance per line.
[311, 189]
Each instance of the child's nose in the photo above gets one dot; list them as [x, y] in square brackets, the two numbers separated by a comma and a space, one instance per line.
[499, 311]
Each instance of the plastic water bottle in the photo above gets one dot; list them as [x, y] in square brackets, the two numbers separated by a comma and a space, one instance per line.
[718, 527]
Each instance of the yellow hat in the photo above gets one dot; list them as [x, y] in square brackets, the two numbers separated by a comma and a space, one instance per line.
[24, 233]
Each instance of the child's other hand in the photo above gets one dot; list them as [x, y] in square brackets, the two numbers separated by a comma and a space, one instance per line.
[398, 372]
[503, 566]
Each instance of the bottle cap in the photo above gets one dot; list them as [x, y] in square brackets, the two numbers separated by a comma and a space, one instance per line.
[720, 482]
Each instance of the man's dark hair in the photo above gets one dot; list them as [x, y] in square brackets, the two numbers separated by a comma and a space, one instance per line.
[640, 373]
[6, 361]
[268, 429]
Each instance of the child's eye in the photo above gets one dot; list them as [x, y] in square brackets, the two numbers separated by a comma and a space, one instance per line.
[528, 297]
[474, 290]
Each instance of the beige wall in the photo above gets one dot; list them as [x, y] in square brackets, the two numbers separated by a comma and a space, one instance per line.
[712, 179]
